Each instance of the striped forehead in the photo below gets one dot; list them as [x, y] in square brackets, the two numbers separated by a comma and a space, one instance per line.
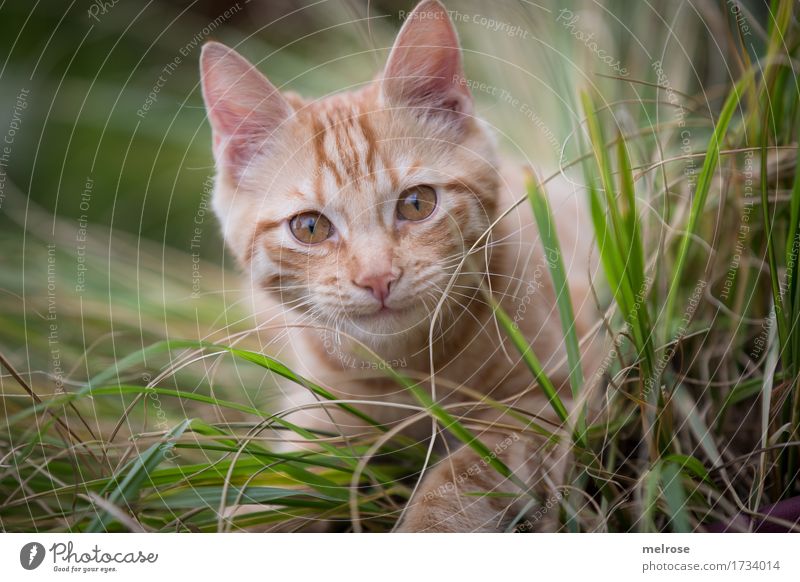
[353, 169]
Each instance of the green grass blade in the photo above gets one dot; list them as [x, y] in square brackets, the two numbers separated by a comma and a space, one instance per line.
[555, 263]
[455, 428]
[675, 497]
[137, 475]
[650, 496]
[530, 360]
[704, 182]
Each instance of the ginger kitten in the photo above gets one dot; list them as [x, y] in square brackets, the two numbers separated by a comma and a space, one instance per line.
[361, 219]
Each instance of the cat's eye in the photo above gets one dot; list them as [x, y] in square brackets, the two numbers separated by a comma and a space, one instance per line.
[311, 227]
[416, 203]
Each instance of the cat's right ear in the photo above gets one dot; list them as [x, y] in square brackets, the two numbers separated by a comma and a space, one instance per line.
[244, 108]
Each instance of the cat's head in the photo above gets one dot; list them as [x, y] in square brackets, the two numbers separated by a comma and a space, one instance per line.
[354, 209]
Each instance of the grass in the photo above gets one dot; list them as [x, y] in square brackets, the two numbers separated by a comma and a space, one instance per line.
[137, 404]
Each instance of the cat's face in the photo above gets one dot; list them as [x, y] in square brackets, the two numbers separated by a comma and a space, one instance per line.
[354, 210]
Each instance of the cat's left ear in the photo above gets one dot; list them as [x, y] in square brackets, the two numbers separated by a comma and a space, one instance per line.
[424, 70]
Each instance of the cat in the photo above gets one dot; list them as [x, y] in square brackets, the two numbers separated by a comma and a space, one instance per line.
[365, 219]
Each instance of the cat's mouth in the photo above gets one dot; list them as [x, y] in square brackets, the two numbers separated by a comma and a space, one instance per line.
[384, 313]
[388, 311]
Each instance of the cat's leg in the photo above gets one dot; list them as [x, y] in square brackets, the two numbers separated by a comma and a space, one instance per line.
[464, 493]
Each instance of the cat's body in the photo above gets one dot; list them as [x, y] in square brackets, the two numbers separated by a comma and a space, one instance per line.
[353, 214]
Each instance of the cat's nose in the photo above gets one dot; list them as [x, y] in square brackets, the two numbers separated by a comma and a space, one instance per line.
[378, 284]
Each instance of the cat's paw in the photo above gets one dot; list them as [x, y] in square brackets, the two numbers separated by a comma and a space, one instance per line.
[449, 514]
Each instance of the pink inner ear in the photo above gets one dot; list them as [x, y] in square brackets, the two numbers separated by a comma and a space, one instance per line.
[424, 68]
[244, 108]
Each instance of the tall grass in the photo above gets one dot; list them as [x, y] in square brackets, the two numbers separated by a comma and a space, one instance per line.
[161, 416]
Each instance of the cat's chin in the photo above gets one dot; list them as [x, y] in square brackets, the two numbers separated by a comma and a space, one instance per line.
[387, 324]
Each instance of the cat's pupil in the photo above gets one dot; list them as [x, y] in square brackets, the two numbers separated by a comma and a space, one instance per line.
[416, 203]
[311, 227]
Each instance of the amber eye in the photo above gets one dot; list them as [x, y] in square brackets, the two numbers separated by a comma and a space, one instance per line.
[311, 227]
[416, 203]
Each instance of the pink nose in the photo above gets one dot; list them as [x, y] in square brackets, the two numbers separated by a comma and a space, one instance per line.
[379, 285]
